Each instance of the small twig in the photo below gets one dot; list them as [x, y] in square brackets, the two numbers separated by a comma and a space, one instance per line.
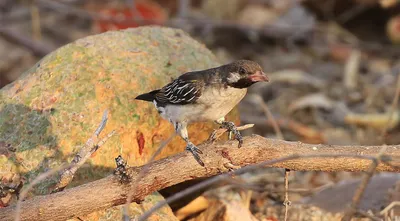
[363, 185]
[269, 116]
[392, 108]
[104, 140]
[386, 210]
[286, 202]
[279, 135]
[351, 70]
[91, 146]
[352, 13]
[220, 131]
[102, 124]
[366, 214]
[183, 8]
[35, 18]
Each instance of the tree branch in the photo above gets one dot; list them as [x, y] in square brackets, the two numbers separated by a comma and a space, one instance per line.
[166, 172]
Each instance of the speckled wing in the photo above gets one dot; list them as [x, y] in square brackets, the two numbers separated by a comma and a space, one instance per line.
[180, 91]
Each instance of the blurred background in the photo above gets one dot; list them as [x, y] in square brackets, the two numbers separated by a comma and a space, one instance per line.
[334, 69]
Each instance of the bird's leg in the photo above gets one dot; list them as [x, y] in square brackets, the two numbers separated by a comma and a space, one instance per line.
[230, 126]
[181, 129]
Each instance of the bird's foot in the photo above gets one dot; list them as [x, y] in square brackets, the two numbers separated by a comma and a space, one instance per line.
[230, 126]
[195, 151]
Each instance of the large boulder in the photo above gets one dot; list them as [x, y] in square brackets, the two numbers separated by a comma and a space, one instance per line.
[49, 113]
[52, 109]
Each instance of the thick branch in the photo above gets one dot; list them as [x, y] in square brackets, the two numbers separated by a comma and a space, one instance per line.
[109, 191]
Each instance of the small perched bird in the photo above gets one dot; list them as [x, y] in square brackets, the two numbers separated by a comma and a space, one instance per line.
[206, 95]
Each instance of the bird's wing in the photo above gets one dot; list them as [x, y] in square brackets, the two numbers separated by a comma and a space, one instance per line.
[180, 91]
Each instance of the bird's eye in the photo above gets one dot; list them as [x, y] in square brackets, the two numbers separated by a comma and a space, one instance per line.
[242, 71]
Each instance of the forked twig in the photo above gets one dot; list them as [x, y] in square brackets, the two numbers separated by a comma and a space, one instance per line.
[270, 117]
[91, 145]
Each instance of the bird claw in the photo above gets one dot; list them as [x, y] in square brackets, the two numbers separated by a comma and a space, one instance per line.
[230, 126]
[195, 151]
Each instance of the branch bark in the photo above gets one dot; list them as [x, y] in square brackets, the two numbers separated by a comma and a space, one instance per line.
[166, 172]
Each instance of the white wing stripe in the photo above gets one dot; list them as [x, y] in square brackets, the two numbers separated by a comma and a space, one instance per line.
[188, 91]
[180, 91]
[184, 86]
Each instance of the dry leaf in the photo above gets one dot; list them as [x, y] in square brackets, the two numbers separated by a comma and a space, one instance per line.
[226, 211]
[351, 70]
[378, 121]
[197, 205]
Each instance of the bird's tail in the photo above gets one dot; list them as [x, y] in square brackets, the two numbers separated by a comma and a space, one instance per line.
[147, 96]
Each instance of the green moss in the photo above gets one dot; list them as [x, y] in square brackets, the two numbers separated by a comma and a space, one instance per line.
[136, 117]
[34, 93]
[104, 79]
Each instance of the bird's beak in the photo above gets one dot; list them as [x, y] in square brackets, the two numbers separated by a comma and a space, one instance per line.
[259, 76]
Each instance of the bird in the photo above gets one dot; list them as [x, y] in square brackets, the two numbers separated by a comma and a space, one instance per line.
[205, 95]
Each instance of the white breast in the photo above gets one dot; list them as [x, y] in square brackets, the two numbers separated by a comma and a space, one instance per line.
[213, 104]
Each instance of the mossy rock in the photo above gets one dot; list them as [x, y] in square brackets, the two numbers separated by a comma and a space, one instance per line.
[52, 109]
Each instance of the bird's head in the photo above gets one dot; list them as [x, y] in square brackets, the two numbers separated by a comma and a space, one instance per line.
[244, 73]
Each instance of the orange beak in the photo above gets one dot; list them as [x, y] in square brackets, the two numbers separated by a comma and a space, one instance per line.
[259, 76]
